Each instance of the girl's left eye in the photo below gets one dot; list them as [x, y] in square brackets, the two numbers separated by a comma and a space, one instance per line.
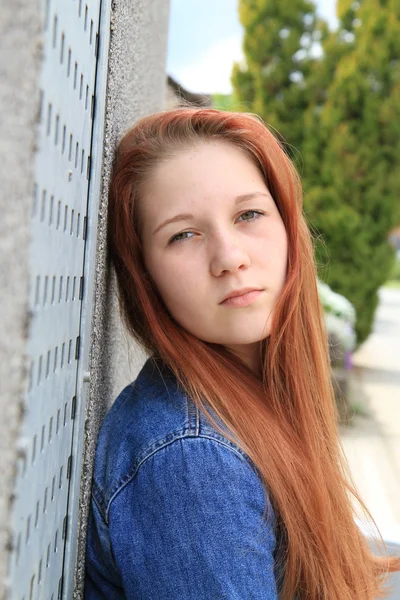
[254, 214]
[179, 237]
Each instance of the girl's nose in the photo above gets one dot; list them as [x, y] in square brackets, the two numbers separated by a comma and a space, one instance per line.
[228, 255]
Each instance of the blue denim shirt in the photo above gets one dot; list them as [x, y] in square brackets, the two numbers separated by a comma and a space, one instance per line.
[176, 510]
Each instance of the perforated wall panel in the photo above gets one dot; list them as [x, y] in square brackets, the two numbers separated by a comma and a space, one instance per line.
[59, 217]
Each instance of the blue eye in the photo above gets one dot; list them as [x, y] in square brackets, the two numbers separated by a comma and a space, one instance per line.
[256, 214]
[178, 237]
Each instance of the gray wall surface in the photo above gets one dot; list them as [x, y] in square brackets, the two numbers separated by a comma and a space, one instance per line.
[20, 60]
[136, 86]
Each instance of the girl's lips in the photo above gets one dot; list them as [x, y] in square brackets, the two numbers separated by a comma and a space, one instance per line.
[243, 300]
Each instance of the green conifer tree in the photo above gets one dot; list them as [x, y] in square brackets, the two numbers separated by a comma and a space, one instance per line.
[272, 83]
[352, 152]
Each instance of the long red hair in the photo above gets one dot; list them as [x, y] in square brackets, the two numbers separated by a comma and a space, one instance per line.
[285, 420]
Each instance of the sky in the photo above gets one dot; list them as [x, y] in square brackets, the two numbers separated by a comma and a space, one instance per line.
[205, 39]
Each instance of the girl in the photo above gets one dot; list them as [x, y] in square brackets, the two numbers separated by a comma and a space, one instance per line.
[219, 473]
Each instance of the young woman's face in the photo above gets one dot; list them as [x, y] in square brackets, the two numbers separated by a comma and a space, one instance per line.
[211, 228]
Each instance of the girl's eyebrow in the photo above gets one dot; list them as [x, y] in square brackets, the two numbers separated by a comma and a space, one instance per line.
[182, 217]
[250, 196]
[187, 216]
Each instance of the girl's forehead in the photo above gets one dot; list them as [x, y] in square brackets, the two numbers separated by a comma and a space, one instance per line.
[206, 164]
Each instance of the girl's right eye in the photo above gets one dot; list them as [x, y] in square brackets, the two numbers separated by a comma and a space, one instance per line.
[178, 238]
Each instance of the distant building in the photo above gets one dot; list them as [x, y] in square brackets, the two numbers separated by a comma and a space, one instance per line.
[176, 95]
[394, 238]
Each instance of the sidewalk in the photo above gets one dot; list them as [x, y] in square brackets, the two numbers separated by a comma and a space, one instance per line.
[372, 443]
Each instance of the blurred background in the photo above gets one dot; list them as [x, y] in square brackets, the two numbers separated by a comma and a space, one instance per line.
[325, 77]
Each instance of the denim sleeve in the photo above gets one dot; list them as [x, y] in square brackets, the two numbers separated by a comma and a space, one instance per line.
[189, 526]
[102, 581]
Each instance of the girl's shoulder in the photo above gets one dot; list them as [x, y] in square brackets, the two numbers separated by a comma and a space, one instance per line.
[177, 511]
[149, 414]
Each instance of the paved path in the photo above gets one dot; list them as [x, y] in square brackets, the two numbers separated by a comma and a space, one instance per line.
[372, 443]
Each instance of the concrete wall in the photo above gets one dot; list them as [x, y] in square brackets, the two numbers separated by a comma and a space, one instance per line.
[20, 60]
[136, 86]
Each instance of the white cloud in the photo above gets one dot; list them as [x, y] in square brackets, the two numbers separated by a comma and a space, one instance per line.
[211, 72]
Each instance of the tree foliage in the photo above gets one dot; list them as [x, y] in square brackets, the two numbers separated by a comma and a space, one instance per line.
[343, 115]
[277, 44]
